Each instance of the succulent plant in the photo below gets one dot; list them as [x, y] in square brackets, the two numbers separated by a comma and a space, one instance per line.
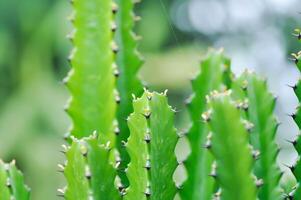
[151, 147]
[230, 146]
[121, 147]
[89, 171]
[214, 74]
[129, 62]
[296, 169]
[258, 105]
[12, 183]
[91, 80]
[103, 77]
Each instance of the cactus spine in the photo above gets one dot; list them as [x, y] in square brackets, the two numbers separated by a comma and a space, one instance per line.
[12, 183]
[229, 145]
[214, 74]
[151, 146]
[129, 62]
[296, 169]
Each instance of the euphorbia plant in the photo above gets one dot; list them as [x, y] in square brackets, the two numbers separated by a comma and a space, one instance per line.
[122, 141]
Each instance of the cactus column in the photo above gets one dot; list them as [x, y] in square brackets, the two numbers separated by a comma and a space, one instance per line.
[214, 75]
[230, 147]
[129, 62]
[151, 146]
[12, 183]
[296, 169]
[91, 80]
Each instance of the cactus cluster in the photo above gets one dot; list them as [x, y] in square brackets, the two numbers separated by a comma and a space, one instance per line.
[122, 141]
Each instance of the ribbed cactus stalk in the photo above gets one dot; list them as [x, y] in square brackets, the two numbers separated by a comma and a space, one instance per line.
[89, 171]
[230, 147]
[12, 183]
[129, 62]
[296, 169]
[151, 147]
[259, 105]
[91, 80]
[214, 75]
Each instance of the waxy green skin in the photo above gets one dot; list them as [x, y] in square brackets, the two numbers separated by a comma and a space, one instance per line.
[215, 74]
[16, 189]
[91, 80]
[296, 169]
[89, 171]
[229, 145]
[128, 62]
[151, 147]
[260, 113]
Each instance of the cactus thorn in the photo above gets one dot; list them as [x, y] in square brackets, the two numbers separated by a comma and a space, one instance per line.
[61, 168]
[8, 183]
[147, 192]
[259, 183]
[255, 154]
[147, 138]
[206, 116]
[113, 27]
[147, 115]
[179, 186]
[117, 99]
[293, 142]
[208, 145]
[116, 73]
[114, 8]
[213, 175]
[123, 143]
[117, 130]
[115, 48]
[148, 164]
[294, 87]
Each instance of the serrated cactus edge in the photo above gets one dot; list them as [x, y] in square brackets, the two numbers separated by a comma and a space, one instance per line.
[89, 171]
[230, 147]
[258, 105]
[215, 74]
[296, 168]
[151, 147]
[128, 61]
[91, 81]
[12, 184]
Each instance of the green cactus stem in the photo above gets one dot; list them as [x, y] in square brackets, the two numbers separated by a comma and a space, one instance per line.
[89, 171]
[214, 74]
[12, 183]
[151, 147]
[229, 145]
[296, 169]
[129, 62]
[91, 80]
[259, 105]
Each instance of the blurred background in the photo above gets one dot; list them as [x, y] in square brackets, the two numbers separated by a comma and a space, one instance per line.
[176, 33]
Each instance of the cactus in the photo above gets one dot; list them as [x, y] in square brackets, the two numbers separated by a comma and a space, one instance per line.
[259, 106]
[296, 169]
[102, 81]
[151, 147]
[12, 183]
[129, 62]
[91, 80]
[214, 74]
[229, 145]
[89, 172]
